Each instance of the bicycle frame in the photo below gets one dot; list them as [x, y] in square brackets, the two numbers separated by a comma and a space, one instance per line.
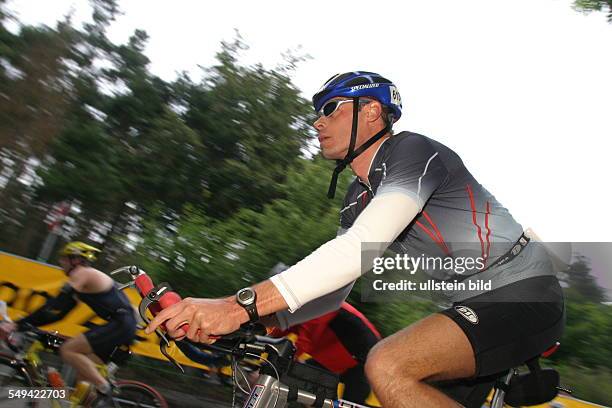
[499, 394]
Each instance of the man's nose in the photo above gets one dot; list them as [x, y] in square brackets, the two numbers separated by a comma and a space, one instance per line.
[319, 123]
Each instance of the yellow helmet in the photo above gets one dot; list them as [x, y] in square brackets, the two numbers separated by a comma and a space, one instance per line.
[77, 248]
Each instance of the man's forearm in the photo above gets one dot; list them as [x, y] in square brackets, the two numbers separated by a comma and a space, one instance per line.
[269, 301]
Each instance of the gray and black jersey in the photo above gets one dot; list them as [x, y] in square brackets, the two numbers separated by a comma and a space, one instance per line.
[458, 216]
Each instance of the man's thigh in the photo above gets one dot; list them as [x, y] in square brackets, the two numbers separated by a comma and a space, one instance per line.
[432, 349]
[78, 344]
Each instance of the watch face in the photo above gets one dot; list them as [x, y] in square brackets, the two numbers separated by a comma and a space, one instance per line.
[245, 296]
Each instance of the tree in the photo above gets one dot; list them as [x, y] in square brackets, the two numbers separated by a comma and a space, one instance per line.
[582, 285]
[253, 124]
[83, 165]
[204, 256]
[595, 5]
[36, 96]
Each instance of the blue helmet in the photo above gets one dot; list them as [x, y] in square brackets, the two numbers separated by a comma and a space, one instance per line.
[360, 84]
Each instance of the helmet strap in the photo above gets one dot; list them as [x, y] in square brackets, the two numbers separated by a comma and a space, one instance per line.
[351, 154]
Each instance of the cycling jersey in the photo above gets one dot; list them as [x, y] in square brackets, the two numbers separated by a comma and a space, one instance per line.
[106, 304]
[458, 216]
[455, 209]
[423, 200]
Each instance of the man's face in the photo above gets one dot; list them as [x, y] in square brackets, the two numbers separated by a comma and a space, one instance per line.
[335, 130]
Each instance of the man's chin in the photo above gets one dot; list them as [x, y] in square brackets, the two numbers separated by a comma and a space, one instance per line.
[331, 155]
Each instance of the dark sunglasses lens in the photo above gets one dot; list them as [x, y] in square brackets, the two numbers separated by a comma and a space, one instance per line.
[329, 108]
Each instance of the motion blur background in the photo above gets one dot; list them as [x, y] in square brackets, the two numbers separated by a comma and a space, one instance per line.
[178, 136]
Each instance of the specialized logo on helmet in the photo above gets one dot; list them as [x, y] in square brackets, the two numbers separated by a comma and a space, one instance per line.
[365, 86]
[467, 313]
[395, 96]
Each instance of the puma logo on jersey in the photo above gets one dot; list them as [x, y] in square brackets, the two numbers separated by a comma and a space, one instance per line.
[467, 313]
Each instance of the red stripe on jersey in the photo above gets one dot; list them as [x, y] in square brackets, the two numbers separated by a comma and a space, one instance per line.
[437, 231]
[471, 196]
[431, 235]
[488, 230]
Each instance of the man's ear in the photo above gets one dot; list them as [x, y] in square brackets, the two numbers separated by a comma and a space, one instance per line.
[374, 111]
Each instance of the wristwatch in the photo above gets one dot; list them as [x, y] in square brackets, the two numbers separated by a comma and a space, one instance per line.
[247, 298]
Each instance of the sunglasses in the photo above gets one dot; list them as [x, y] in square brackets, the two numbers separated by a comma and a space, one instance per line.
[330, 107]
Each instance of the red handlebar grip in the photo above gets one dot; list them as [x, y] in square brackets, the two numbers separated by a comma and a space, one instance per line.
[168, 299]
[144, 284]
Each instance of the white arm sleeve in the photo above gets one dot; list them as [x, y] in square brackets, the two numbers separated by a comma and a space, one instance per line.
[337, 263]
[315, 308]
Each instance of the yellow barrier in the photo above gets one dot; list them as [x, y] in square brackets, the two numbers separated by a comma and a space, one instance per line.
[25, 285]
[564, 401]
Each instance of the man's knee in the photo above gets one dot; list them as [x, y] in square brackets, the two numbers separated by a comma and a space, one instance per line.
[383, 364]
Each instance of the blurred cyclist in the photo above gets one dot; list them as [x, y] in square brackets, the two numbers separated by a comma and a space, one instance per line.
[98, 291]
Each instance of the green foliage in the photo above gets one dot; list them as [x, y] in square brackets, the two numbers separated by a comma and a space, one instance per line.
[391, 317]
[134, 137]
[582, 285]
[587, 383]
[204, 256]
[595, 5]
[84, 167]
[165, 164]
[253, 124]
[586, 340]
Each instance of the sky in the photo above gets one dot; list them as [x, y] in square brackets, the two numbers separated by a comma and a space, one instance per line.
[521, 89]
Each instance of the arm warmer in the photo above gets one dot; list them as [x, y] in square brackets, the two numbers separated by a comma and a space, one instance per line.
[337, 263]
[315, 308]
[53, 310]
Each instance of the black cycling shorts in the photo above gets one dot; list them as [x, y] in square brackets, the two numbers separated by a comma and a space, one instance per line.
[119, 331]
[506, 331]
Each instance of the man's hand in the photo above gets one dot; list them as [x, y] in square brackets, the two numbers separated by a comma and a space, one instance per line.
[206, 317]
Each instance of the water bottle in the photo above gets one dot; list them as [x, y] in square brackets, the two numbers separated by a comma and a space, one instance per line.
[82, 392]
[55, 379]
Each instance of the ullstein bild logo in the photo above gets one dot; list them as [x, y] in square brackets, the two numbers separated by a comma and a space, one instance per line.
[468, 313]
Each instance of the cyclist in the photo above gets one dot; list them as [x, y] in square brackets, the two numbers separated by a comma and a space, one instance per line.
[416, 193]
[338, 341]
[98, 291]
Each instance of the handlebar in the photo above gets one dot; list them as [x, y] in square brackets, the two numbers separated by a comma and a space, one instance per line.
[51, 340]
[274, 385]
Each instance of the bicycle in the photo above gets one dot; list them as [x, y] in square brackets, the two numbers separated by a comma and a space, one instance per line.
[283, 380]
[24, 368]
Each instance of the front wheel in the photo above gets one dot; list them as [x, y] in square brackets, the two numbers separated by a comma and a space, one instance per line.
[132, 394]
